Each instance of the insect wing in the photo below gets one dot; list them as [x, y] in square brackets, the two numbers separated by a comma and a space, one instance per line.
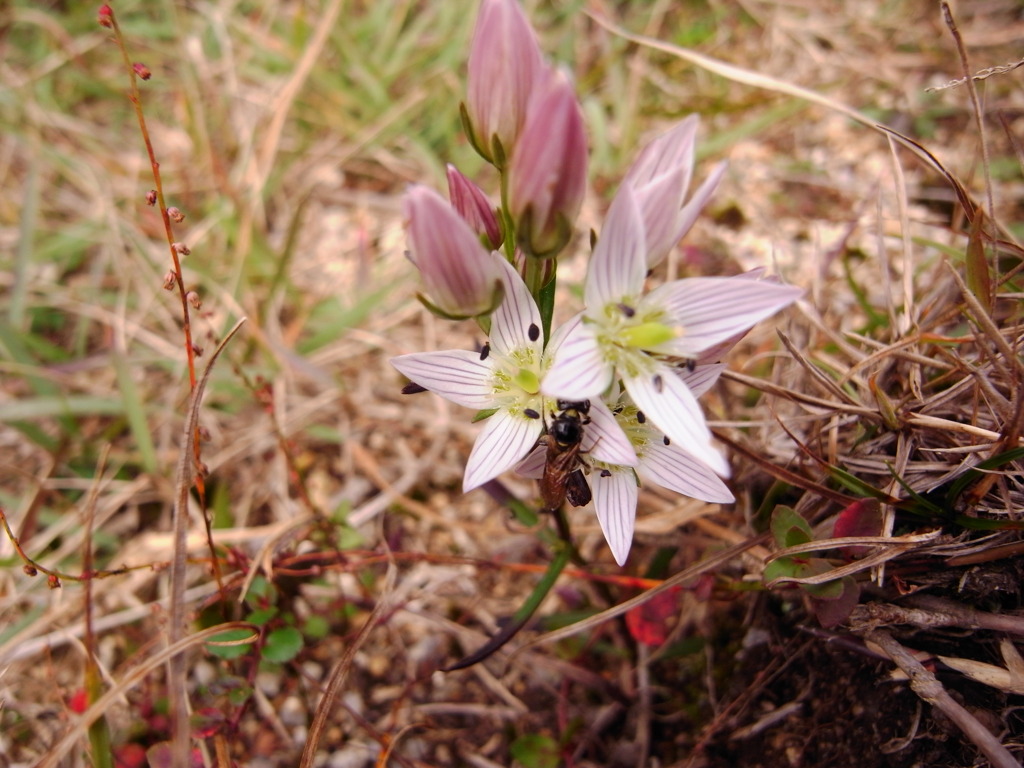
[577, 489]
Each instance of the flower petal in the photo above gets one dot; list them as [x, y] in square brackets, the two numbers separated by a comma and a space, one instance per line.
[504, 441]
[671, 406]
[689, 212]
[672, 468]
[711, 309]
[618, 264]
[456, 375]
[604, 440]
[660, 203]
[578, 370]
[702, 377]
[512, 320]
[615, 495]
[673, 149]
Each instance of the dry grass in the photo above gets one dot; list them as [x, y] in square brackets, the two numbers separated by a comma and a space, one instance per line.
[336, 501]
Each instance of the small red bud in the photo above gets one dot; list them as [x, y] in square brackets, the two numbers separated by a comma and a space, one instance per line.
[52, 582]
[30, 570]
[176, 215]
[142, 70]
[151, 197]
[193, 299]
[197, 350]
[181, 248]
[170, 280]
[105, 16]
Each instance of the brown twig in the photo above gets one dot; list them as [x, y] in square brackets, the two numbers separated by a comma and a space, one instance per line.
[925, 685]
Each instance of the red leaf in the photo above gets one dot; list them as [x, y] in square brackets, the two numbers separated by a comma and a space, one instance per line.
[862, 518]
[648, 623]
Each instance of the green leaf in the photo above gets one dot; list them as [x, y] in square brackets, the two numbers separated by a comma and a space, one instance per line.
[282, 645]
[261, 615]
[781, 568]
[789, 529]
[534, 750]
[316, 627]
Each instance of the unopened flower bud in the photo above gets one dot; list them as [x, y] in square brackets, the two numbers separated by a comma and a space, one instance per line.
[175, 214]
[52, 582]
[170, 280]
[142, 70]
[204, 434]
[505, 66]
[193, 299]
[151, 197]
[547, 175]
[30, 570]
[181, 248]
[105, 16]
[462, 278]
[197, 350]
[472, 205]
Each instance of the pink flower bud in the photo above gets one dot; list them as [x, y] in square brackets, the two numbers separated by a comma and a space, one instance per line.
[660, 178]
[461, 277]
[181, 248]
[547, 175]
[505, 66]
[151, 197]
[170, 280]
[142, 70]
[472, 205]
[105, 16]
[194, 300]
[175, 215]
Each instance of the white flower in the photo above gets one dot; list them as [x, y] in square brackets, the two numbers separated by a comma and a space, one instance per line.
[628, 335]
[505, 380]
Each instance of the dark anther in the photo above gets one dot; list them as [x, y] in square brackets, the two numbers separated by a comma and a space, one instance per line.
[530, 413]
[666, 440]
[640, 417]
[659, 383]
[412, 388]
[533, 332]
[606, 473]
[627, 310]
[485, 351]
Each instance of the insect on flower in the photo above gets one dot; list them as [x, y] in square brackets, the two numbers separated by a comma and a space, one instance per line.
[563, 476]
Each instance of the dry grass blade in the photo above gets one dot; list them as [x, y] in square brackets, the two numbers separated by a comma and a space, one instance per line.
[592, 622]
[176, 682]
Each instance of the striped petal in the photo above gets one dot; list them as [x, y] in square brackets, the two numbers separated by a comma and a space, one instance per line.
[504, 441]
[604, 440]
[672, 408]
[513, 320]
[618, 264]
[615, 495]
[673, 468]
[456, 375]
[711, 309]
[578, 370]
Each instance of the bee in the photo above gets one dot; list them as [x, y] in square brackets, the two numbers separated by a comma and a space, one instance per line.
[563, 476]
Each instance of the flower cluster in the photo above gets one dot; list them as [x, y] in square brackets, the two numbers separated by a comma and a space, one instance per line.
[639, 358]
